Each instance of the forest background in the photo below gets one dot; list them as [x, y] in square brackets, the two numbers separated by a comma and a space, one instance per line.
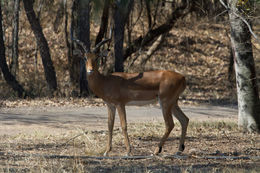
[197, 45]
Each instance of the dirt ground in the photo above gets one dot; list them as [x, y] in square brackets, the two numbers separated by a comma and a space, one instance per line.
[33, 118]
[72, 139]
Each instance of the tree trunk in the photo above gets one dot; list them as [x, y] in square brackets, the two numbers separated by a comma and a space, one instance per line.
[80, 28]
[247, 91]
[49, 70]
[14, 64]
[10, 79]
[121, 12]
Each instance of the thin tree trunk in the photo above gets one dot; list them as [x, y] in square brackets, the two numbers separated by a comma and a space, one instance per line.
[80, 28]
[121, 13]
[10, 79]
[84, 35]
[118, 41]
[149, 16]
[49, 70]
[59, 16]
[247, 90]
[14, 63]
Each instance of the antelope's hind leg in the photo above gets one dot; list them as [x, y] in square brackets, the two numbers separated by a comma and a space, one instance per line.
[169, 124]
[184, 120]
[111, 119]
[123, 122]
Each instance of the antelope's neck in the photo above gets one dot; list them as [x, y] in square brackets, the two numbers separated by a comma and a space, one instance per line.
[96, 82]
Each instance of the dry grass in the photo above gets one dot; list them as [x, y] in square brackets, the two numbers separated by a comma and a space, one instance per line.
[39, 152]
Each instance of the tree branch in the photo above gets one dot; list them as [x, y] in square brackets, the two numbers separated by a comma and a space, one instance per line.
[152, 49]
[153, 33]
[242, 18]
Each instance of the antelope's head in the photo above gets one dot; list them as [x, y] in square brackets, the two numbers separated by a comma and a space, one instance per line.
[91, 62]
[91, 57]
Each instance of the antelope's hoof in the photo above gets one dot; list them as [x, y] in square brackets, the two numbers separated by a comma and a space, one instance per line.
[128, 154]
[179, 153]
[106, 153]
[157, 150]
[181, 148]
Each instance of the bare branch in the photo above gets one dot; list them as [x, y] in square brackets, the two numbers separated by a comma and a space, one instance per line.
[153, 48]
[179, 12]
[224, 4]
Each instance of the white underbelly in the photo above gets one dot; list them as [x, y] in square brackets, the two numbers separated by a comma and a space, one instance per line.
[141, 102]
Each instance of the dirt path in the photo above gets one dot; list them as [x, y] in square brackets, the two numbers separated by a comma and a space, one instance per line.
[57, 119]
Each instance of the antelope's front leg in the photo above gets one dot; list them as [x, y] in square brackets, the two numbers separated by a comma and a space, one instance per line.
[122, 116]
[111, 119]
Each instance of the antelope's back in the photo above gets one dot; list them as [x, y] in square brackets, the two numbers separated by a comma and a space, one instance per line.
[150, 79]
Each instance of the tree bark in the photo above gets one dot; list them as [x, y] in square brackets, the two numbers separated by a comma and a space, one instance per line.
[14, 66]
[10, 79]
[49, 70]
[80, 28]
[121, 13]
[246, 81]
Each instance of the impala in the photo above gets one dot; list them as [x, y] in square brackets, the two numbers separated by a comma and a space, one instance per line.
[120, 89]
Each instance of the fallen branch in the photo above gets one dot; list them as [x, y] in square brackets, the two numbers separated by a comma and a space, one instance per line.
[175, 156]
[65, 143]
